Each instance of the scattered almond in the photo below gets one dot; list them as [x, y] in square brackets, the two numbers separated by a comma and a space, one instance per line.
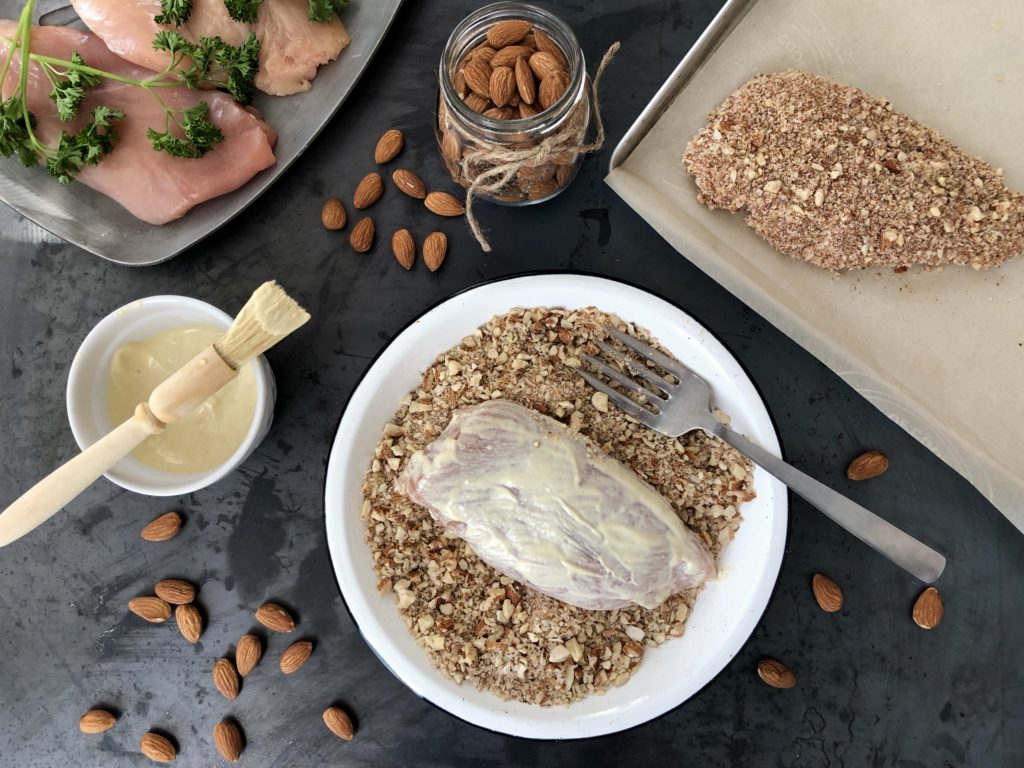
[225, 677]
[928, 609]
[96, 721]
[333, 215]
[228, 739]
[295, 655]
[339, 723]
[369, 191]
[775, 673]
[163, 528]
[388, 146]
[544, 64]
[157, 748]
[502, 85]
[508, 56]
[361, 236]
[247, 654]
[444, 204]
[478, 76]
[551, 88]
[152, 609]
[827, 593]
[507, 32]
[435, 248]
[274, 617]
[867, 465]
[524, 81]
[409, 183]
[190, 622]
[404, 248]
[175, 591]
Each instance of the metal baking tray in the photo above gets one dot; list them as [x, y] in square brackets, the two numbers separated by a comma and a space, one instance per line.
[96, 223]
[937, 351]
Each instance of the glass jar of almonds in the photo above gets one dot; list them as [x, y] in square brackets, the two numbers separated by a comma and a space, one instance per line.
[514, 104]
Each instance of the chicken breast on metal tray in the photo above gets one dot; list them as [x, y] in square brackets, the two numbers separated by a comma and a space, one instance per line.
[152, 185]
[291, 46]
[546, 507]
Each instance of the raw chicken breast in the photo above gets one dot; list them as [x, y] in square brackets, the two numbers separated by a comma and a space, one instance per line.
[152, 185]
[545, 507]
[291, 46]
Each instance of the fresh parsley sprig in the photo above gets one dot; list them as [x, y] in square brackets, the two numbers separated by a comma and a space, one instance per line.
[174, 12]
[244, 11]
[200, 134]
[211, 61]
[325, 10]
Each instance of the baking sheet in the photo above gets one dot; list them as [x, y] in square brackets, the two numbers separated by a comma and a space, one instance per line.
[941, 353]
[98, 224]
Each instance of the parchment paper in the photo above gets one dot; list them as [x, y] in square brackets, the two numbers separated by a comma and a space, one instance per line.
[941, 353]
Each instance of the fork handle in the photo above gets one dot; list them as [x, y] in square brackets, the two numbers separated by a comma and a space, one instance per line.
[882, 536]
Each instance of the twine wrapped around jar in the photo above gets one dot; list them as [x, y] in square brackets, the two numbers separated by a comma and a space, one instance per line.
[502, 164]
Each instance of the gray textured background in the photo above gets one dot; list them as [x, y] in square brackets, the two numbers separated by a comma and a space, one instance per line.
[873, 688]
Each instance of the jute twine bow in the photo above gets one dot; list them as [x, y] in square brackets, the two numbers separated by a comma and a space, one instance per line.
[506, 163]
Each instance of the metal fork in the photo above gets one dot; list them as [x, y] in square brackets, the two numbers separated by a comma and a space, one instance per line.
[677, 407]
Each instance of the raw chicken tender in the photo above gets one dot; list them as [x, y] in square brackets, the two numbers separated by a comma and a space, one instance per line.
[153, 186]
[291, 46]
[545, 507]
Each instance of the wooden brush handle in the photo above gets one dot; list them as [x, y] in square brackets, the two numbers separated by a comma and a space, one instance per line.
[50, 494]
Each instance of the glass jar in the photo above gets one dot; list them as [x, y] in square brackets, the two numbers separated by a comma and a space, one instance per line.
[473, 143]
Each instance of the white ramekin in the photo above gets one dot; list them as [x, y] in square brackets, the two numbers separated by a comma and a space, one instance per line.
[89, 380]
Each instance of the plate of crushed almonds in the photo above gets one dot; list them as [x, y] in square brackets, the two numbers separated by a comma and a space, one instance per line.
[478, 643]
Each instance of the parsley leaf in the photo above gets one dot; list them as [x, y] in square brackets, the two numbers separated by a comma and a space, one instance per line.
[68, 94]
[15, 138]
[243, 10]
[87, 147]
[200, 134]
[174, 12]
[214, 62]
[325, 10]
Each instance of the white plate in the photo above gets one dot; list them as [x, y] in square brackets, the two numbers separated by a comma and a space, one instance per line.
[725, 614]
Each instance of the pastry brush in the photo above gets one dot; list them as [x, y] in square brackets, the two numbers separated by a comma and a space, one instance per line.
[268, 316]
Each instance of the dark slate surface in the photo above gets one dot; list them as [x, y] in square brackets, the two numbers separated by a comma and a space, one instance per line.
[874, 690]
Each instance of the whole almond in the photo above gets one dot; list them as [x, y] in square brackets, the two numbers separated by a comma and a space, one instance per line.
[527, 110]
[484, 52]
[388, 146]
[190, 622]
[451, 147]
[524, 81]
[551, 88]
[544, 64]
[541, 189]
[361, 236]
[157, 748]
[163, 528]
[478, 76]
[96, 721]
[404, 248]
[867, 465]
[369, 191]
[827, 593]
[410, 183]
[477, 103]
[435, 248]
[503, 84]
[333, 215]
[529, 41]
[152, 609]
[564, 174]
[775, 673]
[228, 739]
[507, 32]
[247, 654]
[175, 591]
[225, 677]
[928, 609]
[550, 47]
[339, 723]
[459, 81]
[507, 57]
[500, 113]
[273, 616]
[444, 204]
[295, 655]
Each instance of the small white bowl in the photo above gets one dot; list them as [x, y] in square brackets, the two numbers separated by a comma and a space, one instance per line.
[89, 380]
